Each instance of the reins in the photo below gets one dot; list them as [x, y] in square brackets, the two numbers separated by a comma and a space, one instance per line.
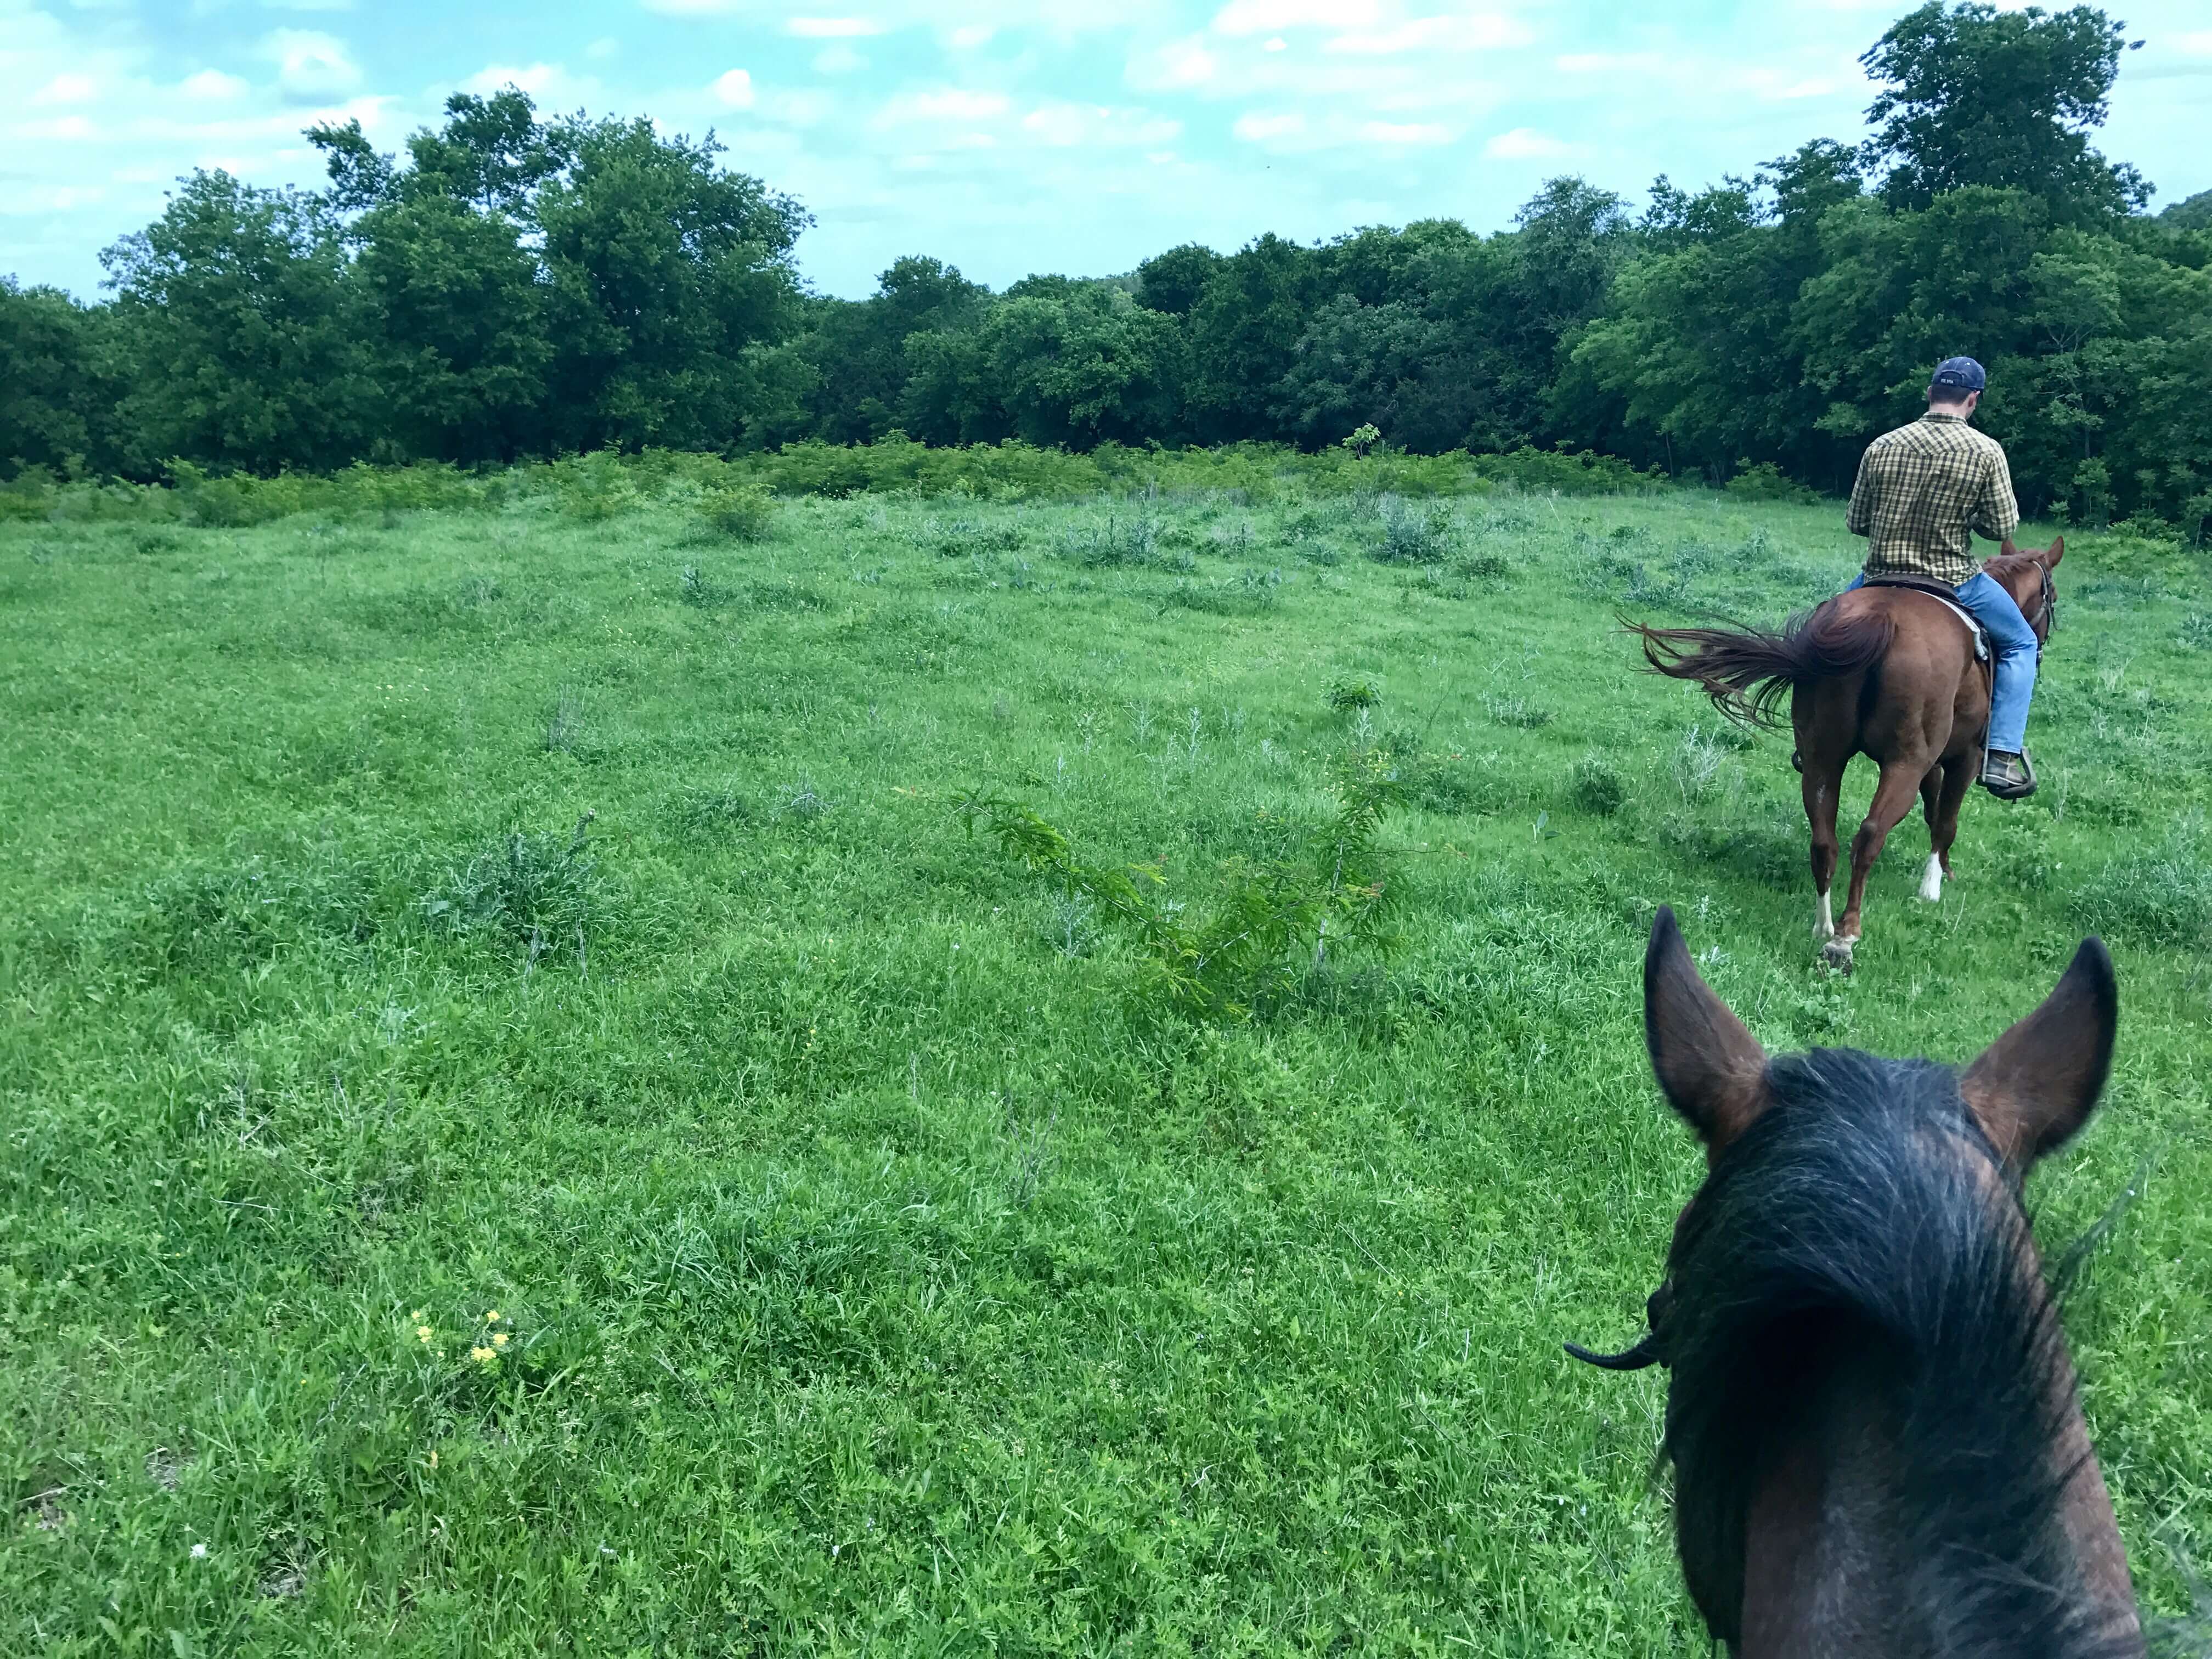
[2048, 616]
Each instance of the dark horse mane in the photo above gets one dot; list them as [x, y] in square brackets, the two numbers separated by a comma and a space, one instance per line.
[1862, 1219]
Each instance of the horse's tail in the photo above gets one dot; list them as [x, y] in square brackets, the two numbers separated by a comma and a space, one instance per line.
[1746, 672]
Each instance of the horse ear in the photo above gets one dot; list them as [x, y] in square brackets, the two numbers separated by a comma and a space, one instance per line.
[2005, 548]
[1711, 1070]
[2036, 1086]
[2057, 551]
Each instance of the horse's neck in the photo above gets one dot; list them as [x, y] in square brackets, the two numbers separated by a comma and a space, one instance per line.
[1826, 1573]
[1823, 1575]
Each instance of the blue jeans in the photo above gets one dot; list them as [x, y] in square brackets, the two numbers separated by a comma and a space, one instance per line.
[1983, 598]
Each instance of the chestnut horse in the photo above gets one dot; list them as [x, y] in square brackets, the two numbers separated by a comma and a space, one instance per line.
[1871, 1416]
[1888, 672]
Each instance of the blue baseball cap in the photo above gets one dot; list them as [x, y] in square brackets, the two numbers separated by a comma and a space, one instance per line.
[1959, 375]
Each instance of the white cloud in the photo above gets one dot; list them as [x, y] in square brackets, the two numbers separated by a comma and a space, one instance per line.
[1185, 63]
[310, 66]
[1275, 43]
[1387, 132]
[1258, 129]
[1273, 16]
[945, 104]
[68, 127]
[1065, 125]
[698, 8]
[1523, 144]
[2197, 43]
[67, 88]
[733, 89]
[972, 35]
[605, 46]
[1612, 62]
[213, 86]
[838, 60]
[833, 28]
[307, 5]
[1476, 31]
[538, 80]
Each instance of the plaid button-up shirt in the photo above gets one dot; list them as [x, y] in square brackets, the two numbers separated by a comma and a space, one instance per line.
[1923, 490]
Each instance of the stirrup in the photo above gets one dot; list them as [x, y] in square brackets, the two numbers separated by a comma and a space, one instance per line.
[2001, 780]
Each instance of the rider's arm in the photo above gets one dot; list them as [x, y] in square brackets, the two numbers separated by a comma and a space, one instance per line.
[1996, 515]
[1859, 519]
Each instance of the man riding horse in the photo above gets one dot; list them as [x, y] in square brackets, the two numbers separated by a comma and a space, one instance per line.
[1922, 492]
[1892, 668]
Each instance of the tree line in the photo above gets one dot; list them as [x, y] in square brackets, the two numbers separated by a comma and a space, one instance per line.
[514, 286]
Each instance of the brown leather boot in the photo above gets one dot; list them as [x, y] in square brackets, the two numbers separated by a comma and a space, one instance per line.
[2009, 777]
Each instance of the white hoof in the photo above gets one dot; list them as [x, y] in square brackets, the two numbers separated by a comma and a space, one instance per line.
[1824, 921]
[1931, 882]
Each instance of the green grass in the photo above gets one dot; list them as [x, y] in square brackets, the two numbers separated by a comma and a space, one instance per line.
[883, 1269]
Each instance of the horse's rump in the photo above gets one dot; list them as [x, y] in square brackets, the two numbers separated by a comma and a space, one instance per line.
[1748, 671]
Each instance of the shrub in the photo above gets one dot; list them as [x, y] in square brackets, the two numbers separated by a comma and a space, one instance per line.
[522, 888]
[1412, 535]
[1585, 473]
[1351, 692]
[1596, 787]
[739, 511]
[592, 487]
[1767, 482]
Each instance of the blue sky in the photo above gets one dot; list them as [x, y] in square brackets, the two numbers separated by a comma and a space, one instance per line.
[1006, 136]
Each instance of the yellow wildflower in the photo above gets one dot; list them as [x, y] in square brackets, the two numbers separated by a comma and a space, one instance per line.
[480, 1355]
[416, 1317]
[499, 1339]
[434, 1457]
[423, 1332]
[492, 1318]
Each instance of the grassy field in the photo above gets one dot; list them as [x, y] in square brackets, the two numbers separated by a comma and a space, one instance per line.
[766, 1218]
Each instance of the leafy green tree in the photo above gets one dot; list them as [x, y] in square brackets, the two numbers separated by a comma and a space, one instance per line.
[852, 353]
[56, 383]
[2192, 213]
[463, 349]
[1893, 298]
[1390, 365]
[1245, 330]
[1172, 281]
[1378, 265]
[245, 333]
[668, 278]
[1074, 368]
[1974, 96]
[492, 153]
[1692, 365]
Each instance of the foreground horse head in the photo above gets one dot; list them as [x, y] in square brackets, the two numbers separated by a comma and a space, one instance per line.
[1888, 672]
[1872, 1417]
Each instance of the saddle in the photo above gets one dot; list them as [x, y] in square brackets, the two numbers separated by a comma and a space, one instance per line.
[1946, 597]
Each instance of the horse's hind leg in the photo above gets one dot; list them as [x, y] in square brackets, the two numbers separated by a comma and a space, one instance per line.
[1822, 787]
[1958, 776]
[1893, 800]
[1931, 807]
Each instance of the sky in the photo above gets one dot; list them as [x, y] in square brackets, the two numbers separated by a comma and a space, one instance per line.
[1005, 136]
